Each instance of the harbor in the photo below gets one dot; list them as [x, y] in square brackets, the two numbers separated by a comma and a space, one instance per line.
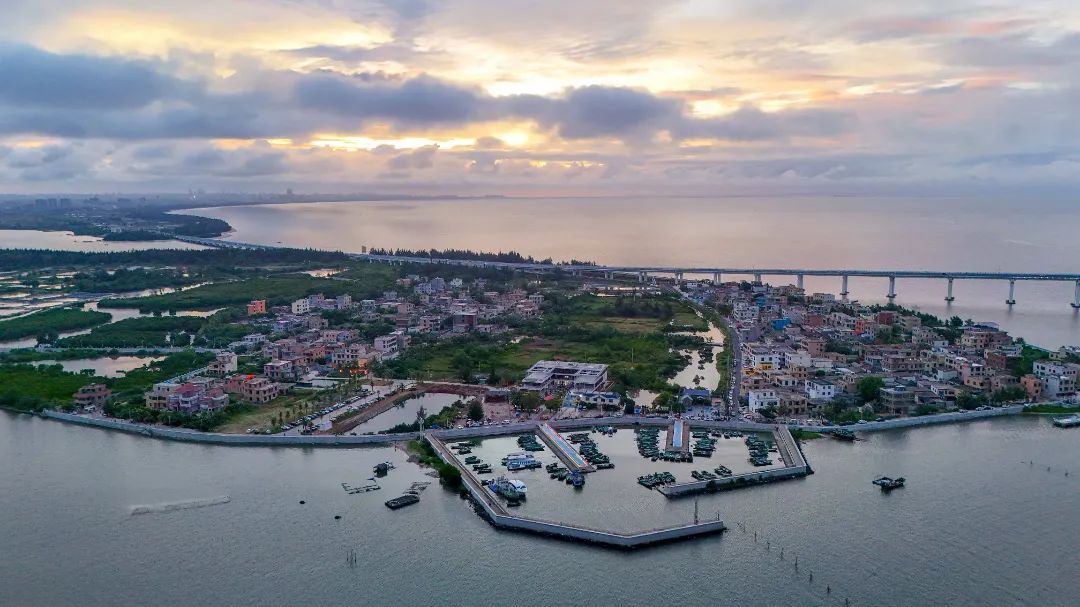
[575, 488]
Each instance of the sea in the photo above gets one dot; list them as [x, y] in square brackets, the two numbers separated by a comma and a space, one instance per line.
[988, 517]
[946, 234]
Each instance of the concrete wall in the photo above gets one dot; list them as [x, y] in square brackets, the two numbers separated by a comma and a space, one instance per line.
[252, 440]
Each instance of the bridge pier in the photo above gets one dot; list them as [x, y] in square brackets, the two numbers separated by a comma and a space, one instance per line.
[1012, 291]
[757, 277]
[892, 289]
[1076, 296]
[843, 287]
[948, 294]
[678, 278]
[716, 278]
[799, 281]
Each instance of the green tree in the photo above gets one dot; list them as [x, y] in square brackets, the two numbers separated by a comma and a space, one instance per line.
[868, 387]
[476, 411]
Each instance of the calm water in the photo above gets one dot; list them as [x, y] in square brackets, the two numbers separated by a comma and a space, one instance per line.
[975, 526]
[67, 241]
[405, 413]
[822, 233]
[103, 367]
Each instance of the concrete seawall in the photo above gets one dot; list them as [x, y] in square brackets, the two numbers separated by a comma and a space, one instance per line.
[249, 440]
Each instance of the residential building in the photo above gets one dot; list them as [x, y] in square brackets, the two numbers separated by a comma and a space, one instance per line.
[257, 306]
[91, 395]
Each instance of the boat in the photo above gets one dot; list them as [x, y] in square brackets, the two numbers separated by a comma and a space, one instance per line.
[508, 488]
[577, 479]
[383, 468]
[843, 434]
[888, 484]
[1068, 421]
[400, 502]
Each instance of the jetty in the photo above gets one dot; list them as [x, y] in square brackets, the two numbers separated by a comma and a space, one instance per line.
[678, 437]
[563, 449]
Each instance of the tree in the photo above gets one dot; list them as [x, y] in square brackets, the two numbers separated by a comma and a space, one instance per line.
[969, 400]
[868, 387]
[476, 411]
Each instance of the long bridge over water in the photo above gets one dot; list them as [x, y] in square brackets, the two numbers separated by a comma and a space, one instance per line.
[715, 274]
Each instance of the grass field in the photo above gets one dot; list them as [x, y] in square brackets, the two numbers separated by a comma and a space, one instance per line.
[56, 320]
[263, 416]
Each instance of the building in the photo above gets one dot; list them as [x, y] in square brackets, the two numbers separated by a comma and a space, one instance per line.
[91, 395]
[282, 369]
[252, 388]
[547, 375]
[759, 399]
[224, 364]
[818, 389]
[589, 399]
[692, 396]
[195, 398]
[301, 306]
[257, 306]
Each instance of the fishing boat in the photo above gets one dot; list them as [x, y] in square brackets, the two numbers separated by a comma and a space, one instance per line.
[1068, 421]
[577, 479]
[888, 484]
[400, 502]
[383, 468]
[843, 434]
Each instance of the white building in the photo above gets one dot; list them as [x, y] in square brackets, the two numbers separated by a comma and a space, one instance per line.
[763, 398]
[301, 306]
[817, 389]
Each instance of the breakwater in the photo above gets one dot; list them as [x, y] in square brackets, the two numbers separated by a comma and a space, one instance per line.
[184, 505]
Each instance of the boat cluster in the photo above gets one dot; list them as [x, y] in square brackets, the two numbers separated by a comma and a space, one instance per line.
[465, 447]
[703, 444]
[705, 475]
[759, 451]
[588, 449]
[477, 464]
[648, 441]
[1068, 421]
[570, 477]
[606, 430]
[652, 481]
[529, 442]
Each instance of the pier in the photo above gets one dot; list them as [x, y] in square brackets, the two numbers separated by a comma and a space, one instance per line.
[677, 435]
[563, 450]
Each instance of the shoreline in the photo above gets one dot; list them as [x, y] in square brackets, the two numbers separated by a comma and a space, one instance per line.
[335, 441]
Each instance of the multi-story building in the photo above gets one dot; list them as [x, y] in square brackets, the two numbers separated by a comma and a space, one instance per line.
[91, 395]
[252, 389]
[257, 306]
[301, 306]
[765, 397]
[819, 389]
[546, 375]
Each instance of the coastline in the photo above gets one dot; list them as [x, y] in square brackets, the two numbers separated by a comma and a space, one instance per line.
[251, 440]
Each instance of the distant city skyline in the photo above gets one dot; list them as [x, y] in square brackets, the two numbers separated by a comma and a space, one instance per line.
[771, 97]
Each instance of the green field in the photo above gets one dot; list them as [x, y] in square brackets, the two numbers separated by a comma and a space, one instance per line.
[50, 322]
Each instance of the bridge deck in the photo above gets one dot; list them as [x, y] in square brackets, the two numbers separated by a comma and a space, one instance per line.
[564, 450]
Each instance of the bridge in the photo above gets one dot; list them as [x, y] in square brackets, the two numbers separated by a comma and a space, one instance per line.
[680, 274]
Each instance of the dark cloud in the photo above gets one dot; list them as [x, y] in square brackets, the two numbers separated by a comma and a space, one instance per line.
[421, 100]
[597, 111]
[30, 76]
[419, 159]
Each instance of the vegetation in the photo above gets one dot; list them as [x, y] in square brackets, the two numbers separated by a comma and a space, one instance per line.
[868, 388]
[805, 434]
[449, 475]
[277, 290]
[508, 257]
[144, 332]
[1050, 409]
[48, 323]
[134, 279]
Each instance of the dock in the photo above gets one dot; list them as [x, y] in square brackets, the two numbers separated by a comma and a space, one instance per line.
[678, 437]
[563, 449]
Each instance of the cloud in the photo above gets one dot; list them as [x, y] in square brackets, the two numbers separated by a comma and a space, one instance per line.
[30, 76]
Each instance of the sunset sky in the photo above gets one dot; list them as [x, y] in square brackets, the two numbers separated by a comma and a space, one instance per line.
[541, 97]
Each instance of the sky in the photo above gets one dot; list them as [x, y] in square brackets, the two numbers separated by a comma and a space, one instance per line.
[553, 97]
